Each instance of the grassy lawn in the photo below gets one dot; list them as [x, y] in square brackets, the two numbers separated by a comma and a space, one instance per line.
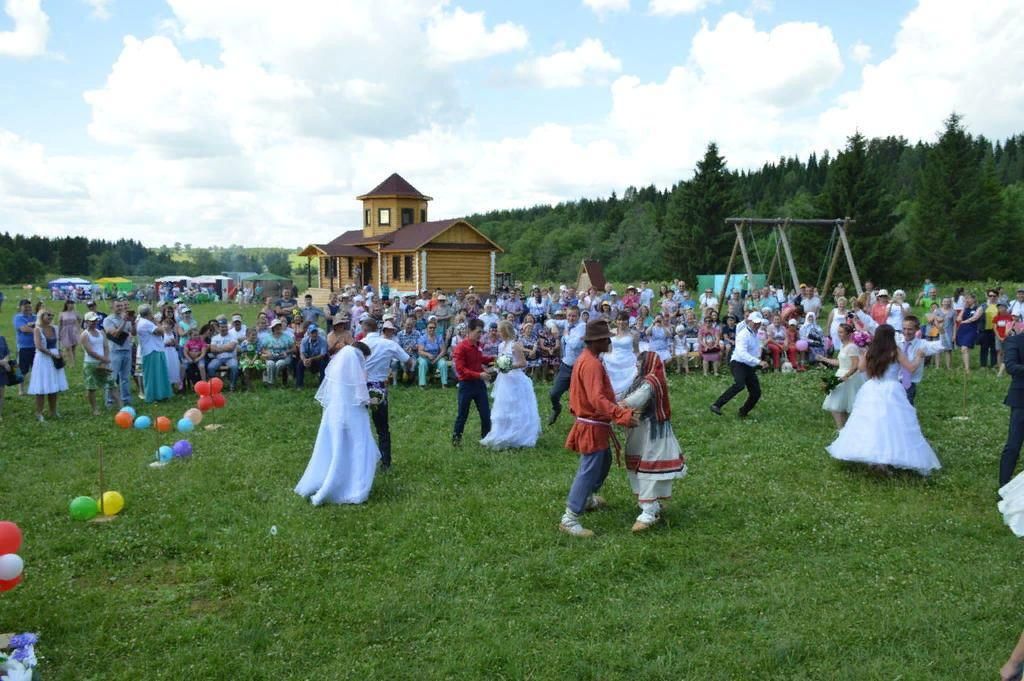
[775, 561]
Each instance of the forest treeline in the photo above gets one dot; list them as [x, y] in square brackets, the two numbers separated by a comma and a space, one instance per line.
[29, 258]
[952, 209]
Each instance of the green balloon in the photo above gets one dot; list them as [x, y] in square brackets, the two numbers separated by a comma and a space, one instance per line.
[84, 508]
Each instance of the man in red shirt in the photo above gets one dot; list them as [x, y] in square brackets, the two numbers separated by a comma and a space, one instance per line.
[472, 377]
[592, 402]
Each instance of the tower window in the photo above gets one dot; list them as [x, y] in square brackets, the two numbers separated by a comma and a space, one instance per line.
[367, 223]
[383, 217]
[407, 216]
[423, 214]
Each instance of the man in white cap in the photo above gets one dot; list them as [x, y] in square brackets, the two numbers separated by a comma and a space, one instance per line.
[489, 316]
[238, 330]
[383, 353]
[746, 358]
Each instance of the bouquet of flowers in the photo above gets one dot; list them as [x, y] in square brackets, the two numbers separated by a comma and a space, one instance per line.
[377, 397]
[504, 363]
[19, 663]
[861, 338]
[830, 383]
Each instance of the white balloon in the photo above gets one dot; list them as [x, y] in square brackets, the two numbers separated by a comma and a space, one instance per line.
[11, 566]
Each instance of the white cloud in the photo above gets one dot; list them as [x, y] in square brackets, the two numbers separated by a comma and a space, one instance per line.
[947, 56]
[671, 8]
[604, 7]
[860, 52]
[31, 29]
[463, 36]
[588, 63]
[100, 8]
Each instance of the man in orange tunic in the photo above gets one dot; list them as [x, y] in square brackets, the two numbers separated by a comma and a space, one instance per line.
[592, 402]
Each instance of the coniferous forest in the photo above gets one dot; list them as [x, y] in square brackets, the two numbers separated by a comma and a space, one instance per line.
[952, 209]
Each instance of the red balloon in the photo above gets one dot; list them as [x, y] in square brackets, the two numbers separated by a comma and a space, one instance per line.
[8, 584]
[202, 388]
[219, 401]
[216, 385]
[205, 403]
[124, 419]
[10, 537]
[163, 424]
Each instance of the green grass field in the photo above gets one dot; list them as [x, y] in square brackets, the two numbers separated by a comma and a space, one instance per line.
[775, 561]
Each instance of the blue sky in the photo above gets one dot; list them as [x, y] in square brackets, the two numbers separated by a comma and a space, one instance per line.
[241, 121]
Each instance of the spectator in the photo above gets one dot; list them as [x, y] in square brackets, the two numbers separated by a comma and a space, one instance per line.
[155, 382]
[965, 333]
[942, 318]
[100, 316]
[489, 317]
[277, 353]
[171, 352]
[880, 309]
[48, 378]
[443, 314]
[286, 304]
[312, 357]
[340, 335]
[96, 362]
[194, 357]
[431, 353]
[775, 335]
[119, 332]
[707, 299]
[792, 336]
[224, 352]
[735, 305]
[710, 342]
[1002, 323]
[238, 330]
[9, 374]
[812, 302]
[812, 332]
[70, 330]
[250, 364]
[987, 332]
[408, 339]
[24, 326]
[310, 313]
[1017, 306]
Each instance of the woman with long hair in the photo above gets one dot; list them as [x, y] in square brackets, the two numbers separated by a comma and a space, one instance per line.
[882, 430]
[653, 456]
[965, 332]
[48, 378]
[70, 325]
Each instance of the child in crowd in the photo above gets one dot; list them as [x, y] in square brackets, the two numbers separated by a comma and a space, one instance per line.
[250, 363]
[194, 359]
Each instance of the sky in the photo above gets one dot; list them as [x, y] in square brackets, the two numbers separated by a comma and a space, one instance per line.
[258, 122]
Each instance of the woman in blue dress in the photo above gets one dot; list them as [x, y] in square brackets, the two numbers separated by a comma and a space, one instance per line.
[965, 335]
[661, 338]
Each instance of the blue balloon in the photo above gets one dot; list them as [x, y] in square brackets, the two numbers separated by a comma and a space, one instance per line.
[165, 453]
[185, 426]
[182, 448]
[143, 422]
[128, 410]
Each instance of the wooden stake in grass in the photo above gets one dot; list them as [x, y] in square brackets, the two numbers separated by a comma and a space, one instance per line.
[963, 415]
[102, 517]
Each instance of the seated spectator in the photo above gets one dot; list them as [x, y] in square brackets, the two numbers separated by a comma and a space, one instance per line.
[775, 335]
[710, 344]
[811, 332]
[792, 336]
[309, 312]
[312, 356]
[340, 335]
[223, 353]
[432, 353]
[728, 338]
[277, 351]
[408, 339]
[238, 329]
[489, 343]
[250, 364]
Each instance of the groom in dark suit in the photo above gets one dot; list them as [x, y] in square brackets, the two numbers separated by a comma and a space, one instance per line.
[1013, 353]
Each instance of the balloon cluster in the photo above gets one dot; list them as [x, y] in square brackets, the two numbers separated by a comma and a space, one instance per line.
[11, 564]
[87, 508]
[210, 396]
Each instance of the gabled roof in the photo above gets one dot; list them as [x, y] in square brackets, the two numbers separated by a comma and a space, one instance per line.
[594, 272]
[413, 237]
[350, 244]
[395, 185]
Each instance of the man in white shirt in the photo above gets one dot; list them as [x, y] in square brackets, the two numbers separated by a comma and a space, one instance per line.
[383, 352]
[646, 294]
[746, 358]
[489, 317]
[223, 349]
[238, 329]
[1017, 306]
[708, 299]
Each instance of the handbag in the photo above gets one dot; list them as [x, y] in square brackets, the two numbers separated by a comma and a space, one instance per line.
[58, 363]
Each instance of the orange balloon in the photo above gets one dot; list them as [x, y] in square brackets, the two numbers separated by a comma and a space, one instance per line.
[124, 419]
[219, 400]
[163, 424]
[205, 403]
[216, 385]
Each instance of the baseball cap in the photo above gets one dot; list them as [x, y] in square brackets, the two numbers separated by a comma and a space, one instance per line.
[389, 325]
[793, 322]
[276, 322]
[236, 317]
[91, 316]
[756, 317]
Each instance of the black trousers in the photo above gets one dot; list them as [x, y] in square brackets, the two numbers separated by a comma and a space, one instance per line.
[987, 341]
[1011, 451]
[317, 367]
[383, 428]
[743, 376]
[470, 392]
[560, 385]
[912, 393]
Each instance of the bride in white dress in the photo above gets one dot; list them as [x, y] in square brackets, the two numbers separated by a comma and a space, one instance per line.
[882, 429]
[515, 421]
[345, 455]
[620, 362]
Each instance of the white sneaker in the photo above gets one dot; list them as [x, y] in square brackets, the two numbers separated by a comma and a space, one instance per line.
[571, 525]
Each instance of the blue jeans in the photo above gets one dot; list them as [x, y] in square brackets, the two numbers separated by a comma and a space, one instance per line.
[121, 365]
[559, 386]
[469, 392]
[231, 363]
[590, 476]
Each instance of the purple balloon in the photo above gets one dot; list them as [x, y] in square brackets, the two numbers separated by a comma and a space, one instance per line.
[182, 448]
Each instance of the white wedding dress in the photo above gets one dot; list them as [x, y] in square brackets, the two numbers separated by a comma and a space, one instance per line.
[345, 455]
[515, 421]
[620, 364]
[1012, 504]
[883, 428]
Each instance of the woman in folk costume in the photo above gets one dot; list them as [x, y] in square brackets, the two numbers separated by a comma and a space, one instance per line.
[653, 456]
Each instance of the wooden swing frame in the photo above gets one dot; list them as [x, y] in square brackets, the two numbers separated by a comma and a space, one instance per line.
[779, 227]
